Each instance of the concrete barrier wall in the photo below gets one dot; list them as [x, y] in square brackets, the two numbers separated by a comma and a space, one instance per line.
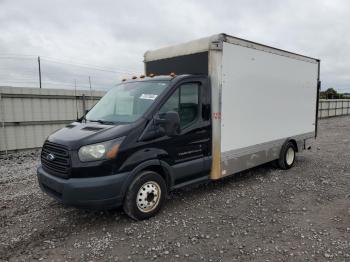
[29, 115]
[333, 107]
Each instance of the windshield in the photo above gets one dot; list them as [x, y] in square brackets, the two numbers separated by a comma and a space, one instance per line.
[126, 102]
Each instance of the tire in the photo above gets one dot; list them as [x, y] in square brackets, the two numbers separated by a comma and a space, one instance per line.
[145, 196]
[287, 156]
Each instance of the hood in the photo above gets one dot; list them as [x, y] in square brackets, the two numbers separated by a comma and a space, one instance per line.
[78, 134]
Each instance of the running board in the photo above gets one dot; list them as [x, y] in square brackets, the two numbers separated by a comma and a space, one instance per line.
[191, 182]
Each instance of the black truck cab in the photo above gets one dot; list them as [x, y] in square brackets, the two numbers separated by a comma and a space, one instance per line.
[144, 138]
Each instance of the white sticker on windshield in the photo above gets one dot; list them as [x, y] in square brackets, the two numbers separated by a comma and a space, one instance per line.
[148, 96]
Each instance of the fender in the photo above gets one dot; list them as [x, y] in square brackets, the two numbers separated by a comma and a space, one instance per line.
[290, 139]
[169, 173]
[141, 156]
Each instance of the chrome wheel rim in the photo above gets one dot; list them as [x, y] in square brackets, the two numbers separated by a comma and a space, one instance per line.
[148, 196]
[290, 156]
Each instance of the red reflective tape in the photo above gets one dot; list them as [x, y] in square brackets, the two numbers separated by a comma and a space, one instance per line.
[217, 115]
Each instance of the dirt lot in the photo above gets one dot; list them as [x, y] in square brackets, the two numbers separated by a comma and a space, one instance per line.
[264, 214]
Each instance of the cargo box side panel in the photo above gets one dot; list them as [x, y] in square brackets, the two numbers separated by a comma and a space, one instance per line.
[266, 98]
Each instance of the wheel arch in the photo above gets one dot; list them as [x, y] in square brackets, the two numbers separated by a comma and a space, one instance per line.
[161, 171]
[154, 165]
[294, 142]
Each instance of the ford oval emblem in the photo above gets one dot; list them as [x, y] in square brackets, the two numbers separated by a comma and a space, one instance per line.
[50, 157]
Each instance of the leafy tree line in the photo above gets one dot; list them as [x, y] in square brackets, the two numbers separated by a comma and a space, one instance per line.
[331, 93]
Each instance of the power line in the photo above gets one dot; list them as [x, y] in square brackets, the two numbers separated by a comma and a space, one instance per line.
[19, 81]
[18, 55]
[57, 83]
[88, 66]
[25, 58]
[69, 84]
[65, 62]
[17, 71]
[55, 74]
[50, 74]
[11, 54]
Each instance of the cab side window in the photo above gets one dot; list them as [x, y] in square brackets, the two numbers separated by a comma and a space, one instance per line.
[172, 104]
[185, 101]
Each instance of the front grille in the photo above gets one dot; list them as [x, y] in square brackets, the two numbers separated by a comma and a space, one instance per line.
[59, 164]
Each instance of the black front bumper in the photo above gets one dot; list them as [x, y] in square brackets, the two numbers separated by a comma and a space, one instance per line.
[96, 192]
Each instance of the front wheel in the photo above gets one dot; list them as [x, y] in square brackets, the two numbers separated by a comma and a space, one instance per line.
[145, 196]
[287, 156]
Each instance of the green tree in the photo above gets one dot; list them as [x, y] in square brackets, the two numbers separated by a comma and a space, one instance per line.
[330, 93]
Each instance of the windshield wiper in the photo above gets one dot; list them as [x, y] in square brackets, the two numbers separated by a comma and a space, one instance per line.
[82, 119]
[102, 122]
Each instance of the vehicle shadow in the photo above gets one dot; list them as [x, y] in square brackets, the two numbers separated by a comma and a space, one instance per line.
[175, 198]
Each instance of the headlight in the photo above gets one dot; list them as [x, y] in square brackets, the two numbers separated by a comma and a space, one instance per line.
[104, 150]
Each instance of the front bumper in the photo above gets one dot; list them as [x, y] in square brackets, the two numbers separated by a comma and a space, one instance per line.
[93, 193]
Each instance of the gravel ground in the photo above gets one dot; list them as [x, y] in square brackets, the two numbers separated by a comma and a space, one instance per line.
[263, 214]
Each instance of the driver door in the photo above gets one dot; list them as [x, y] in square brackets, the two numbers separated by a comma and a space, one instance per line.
[187, 151]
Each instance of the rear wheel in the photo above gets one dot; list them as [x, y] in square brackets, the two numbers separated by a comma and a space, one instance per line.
[287, 156]
[145, 196]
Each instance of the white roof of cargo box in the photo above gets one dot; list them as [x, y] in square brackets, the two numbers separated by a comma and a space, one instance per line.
[214, 42]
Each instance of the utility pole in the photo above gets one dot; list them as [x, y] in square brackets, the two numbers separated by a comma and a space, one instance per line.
[76, 100]
[90, 91]
[39, 71]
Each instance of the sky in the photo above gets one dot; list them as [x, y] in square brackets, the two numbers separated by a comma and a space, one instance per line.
[106, 40]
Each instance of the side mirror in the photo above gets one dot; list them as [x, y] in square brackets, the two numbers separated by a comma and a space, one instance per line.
[169, 122]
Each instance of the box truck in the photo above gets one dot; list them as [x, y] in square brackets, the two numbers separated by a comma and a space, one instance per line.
[205, 110]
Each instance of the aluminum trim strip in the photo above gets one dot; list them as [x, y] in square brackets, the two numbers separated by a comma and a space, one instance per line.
[237, 160]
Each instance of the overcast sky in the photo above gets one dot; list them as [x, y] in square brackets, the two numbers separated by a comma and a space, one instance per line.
[114, 34]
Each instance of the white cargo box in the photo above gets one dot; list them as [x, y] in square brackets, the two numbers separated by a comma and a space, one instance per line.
[261, 96]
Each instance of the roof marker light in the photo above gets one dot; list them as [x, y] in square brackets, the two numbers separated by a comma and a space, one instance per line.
[124, 79]
[172, 74]
[142, 76]
[134, 77]
[151, 75]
